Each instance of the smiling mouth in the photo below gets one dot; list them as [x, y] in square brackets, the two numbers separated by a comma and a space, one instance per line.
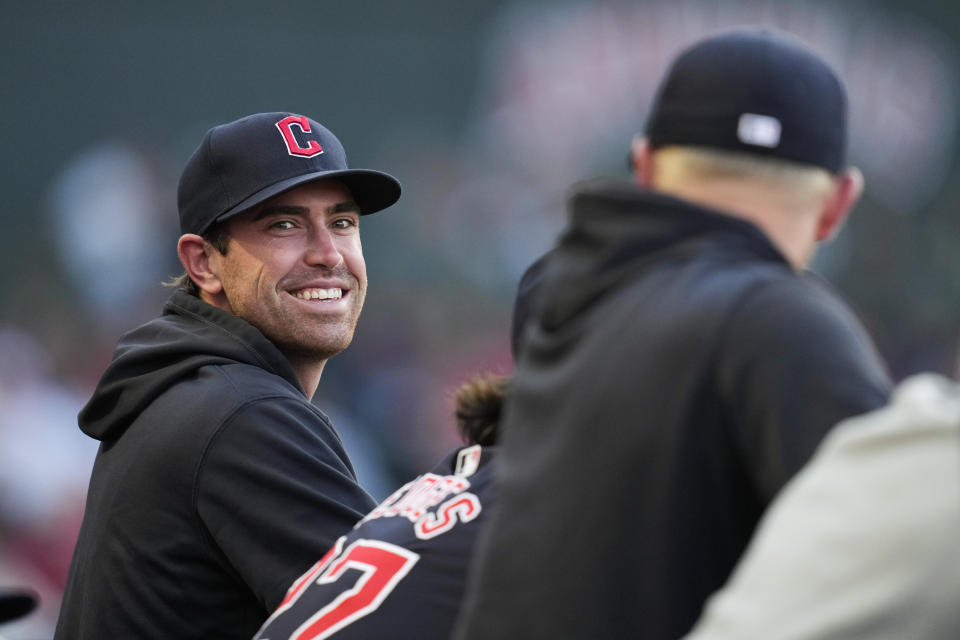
[316, 293]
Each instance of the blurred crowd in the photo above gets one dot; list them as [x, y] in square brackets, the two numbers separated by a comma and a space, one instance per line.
[552, 107]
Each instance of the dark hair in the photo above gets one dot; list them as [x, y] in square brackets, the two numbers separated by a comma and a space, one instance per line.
[217, 235]
[478, 405]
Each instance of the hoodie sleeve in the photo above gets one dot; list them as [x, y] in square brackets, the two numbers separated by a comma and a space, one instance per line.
[794, 362]
[274, 492]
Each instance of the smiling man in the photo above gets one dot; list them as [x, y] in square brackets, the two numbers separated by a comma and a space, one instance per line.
[217, 481]
[294, 270]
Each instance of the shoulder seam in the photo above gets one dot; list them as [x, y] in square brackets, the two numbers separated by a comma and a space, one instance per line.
[720, 346]
[195, 481]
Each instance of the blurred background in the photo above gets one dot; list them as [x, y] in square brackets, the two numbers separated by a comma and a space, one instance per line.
[486, 111]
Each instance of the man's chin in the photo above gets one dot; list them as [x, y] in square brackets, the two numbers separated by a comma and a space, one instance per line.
[315, 351]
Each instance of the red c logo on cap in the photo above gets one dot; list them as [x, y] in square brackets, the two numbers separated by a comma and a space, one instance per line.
[293, 147]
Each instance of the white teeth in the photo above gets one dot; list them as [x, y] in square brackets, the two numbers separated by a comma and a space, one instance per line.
[320, 294]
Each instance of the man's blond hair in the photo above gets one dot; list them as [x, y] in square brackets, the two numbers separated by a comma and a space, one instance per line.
[684, 165]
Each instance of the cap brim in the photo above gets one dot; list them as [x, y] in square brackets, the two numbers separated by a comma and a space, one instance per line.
[372, 190]
[15, 603]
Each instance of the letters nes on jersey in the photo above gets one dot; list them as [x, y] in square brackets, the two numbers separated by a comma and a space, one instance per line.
[434, 504]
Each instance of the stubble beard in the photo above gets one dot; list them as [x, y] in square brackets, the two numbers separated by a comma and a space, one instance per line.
[319, 339]
[308, 341]
[316, 344]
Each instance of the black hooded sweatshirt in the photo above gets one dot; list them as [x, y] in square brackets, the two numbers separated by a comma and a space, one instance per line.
[676, 373]
[216, 484]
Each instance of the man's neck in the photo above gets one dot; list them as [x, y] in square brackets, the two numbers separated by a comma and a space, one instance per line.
[308, 373]
[789, 228]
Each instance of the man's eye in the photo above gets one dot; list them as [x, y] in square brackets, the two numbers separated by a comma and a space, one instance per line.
[282, 225]
[344, 223]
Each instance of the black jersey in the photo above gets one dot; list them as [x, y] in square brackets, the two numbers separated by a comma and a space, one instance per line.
[400, 572]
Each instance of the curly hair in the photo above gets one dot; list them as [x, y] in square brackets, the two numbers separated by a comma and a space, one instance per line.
[478, 404]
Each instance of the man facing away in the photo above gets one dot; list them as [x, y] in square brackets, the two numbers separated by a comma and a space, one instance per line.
[217, 481]
[681, 365]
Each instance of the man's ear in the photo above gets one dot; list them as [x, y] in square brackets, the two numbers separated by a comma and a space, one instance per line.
[643, 162]
[194, 254]
[846, 192]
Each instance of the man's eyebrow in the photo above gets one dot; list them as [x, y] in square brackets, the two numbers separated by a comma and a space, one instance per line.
[280, 209]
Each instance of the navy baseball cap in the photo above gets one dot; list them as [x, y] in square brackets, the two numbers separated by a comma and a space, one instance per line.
[240, 164]
[753, 90]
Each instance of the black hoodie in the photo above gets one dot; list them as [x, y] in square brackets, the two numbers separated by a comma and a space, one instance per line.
[675, 375]
[216, 484]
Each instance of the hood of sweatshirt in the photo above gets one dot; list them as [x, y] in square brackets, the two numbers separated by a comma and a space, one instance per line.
[617, 230]
[189, 334]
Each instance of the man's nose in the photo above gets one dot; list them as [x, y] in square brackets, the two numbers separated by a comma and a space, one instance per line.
[322, 250]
